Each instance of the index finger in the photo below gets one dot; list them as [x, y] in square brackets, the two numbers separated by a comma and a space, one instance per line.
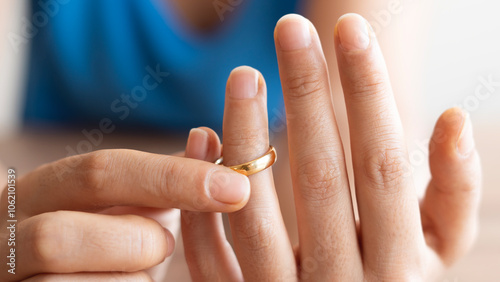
[108, 178]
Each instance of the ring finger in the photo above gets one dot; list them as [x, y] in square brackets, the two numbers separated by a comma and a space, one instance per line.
[387, 201]
[260, 239]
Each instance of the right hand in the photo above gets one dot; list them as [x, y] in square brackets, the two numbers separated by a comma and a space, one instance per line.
[59, 228]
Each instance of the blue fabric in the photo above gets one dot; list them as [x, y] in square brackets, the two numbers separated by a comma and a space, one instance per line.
[91, 52]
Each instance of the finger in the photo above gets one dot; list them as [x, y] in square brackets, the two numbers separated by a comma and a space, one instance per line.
[326, 224]
[68, 242]
[125, 177]
[90, 277]
[258, 231]
[450, 206]
[387, 201]
[168, 218]
[203, 233]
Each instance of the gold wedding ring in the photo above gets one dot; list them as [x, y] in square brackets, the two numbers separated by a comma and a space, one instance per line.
[257, 165]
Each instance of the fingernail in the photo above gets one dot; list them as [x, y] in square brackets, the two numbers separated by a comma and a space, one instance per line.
[353, 33]
[465, 143]
[243, 83]
[197, 144]
[229, 188]
[170, 242]
[293, 33]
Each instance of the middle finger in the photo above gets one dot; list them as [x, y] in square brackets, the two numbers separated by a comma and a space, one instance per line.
[327, 232]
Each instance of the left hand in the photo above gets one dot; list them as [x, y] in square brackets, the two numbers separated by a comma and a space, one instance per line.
[397, 238]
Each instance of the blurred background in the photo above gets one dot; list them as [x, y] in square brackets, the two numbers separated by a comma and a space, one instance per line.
[440, 54]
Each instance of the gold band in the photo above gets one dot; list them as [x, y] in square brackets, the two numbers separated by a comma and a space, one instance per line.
[257, 165]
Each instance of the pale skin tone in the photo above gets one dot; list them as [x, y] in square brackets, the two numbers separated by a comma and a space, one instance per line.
[433, 234]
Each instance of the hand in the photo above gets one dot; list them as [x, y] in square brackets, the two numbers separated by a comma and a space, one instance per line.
[396, 238]
[59, 228]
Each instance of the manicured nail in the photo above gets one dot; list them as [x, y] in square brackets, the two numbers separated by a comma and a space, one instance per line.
[293, 32]
[229, 188]
[353, 33]
[197, 144]
[465, 143]
[243, 83]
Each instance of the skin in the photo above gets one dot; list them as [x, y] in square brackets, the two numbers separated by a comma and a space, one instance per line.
[105, 209]
[397, 238]
[332, 246]
[200, 16]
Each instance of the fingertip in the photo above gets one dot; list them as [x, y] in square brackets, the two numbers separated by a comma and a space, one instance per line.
[452, 151]
[170, 240]
[243, 83]
[293, 32]
[229, 188]
[353, 32]
[214, 145]
[465, 144]
[451, 118]
[245, 124]
[197, 144]
[292, 17]
[208, 130]
[453, 134]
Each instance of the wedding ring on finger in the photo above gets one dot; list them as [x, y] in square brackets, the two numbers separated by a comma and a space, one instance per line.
[254, 166]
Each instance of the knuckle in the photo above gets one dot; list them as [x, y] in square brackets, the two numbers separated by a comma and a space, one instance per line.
[321, 118]
[385, 169]
[258, 234]
[180, 192]
[320, 181]
[305, 83]
[168, 183]
[49, 248]
[208, 181]
[148, 247]
[244, 138]
[246, 141]
[93, 170]
[367, 85]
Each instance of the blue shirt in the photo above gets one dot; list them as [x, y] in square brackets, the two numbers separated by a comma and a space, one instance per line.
[138, 64]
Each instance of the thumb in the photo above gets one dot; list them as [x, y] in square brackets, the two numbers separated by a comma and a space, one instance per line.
[450, 206]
